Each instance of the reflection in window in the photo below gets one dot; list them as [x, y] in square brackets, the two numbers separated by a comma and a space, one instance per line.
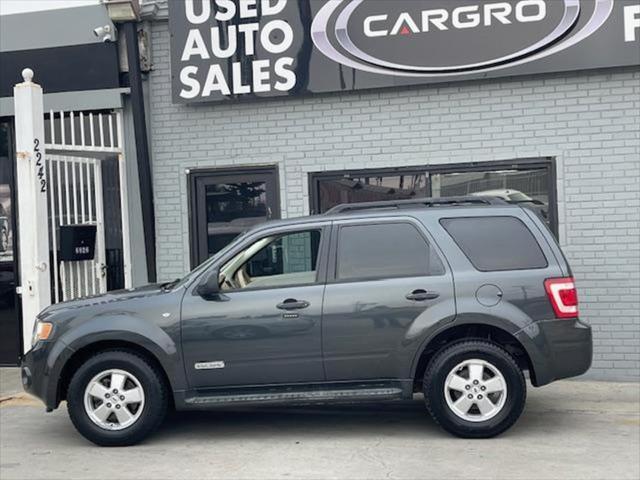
[371, 188]
[6, 253]
[6, 234]
[232, 208]
[526, 187]
[279, 260]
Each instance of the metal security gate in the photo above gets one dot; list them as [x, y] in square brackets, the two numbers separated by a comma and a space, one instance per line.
[76, 146]
[75, 198]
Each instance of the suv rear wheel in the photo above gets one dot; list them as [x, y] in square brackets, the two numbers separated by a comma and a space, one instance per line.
[474, 389]
[116, 398]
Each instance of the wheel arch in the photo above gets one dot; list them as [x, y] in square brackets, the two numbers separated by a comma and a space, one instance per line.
[468, 331]
[92, 348]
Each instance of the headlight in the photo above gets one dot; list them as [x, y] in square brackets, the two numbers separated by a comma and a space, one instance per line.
[41, 331]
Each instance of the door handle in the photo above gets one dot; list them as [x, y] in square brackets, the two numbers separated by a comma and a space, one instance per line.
[420, 295]
[293, 304]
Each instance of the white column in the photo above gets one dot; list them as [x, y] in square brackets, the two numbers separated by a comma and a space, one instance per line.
[124, 204]
[31, 174]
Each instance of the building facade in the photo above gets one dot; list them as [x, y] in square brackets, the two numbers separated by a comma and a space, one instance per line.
[90, 161]
[255, 110]
[569, 142]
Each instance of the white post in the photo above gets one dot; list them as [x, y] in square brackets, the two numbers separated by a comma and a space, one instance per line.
[124, 203]
[33, 231]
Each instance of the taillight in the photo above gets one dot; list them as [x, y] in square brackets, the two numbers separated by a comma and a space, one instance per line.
[563, 296]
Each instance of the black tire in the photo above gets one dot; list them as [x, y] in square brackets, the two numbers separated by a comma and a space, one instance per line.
[451, 356]
[155, 392]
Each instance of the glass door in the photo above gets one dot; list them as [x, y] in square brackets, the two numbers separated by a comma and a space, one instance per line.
[9, 320]
[225, 204]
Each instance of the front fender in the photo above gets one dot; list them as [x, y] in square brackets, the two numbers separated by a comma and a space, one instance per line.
[130, 329]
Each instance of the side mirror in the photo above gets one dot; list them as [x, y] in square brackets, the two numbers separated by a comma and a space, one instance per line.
[211, 286]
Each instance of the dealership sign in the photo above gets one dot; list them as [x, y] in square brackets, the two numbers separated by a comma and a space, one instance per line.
[234, 49]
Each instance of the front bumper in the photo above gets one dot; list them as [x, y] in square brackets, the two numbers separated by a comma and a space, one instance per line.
[560, 349]
[40, 369]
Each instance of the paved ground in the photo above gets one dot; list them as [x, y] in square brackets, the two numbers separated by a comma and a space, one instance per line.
[10, 383]
[580, 430]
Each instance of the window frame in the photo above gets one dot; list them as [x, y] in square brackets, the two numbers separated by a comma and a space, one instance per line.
[332, 268]
[529, 163]
[277, 236]
[199, 178]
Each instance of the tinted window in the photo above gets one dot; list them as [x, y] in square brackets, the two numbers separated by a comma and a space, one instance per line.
[388, 250]
[496, 243]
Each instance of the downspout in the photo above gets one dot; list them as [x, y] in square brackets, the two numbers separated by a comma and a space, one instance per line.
[142, 146]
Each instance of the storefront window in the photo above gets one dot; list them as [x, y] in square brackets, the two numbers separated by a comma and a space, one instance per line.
[6, 233]
[231, 209]
[528, 183]
[226, 204]
[9, 320]
[526, 187]
[371, 188]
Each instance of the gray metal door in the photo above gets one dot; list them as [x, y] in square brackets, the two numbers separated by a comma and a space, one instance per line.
[265, 325]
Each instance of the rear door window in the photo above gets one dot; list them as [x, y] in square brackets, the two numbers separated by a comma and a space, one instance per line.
[496, 243]
[384, 251]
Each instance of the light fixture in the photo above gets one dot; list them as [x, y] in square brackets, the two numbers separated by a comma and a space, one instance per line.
[123, 10]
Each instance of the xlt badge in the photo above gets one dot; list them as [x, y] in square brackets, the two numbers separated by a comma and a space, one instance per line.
[209, 365]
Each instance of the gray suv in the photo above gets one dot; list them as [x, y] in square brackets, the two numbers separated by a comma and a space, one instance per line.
[454, 298]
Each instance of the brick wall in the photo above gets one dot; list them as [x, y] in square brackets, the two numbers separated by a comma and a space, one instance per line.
[590, 122]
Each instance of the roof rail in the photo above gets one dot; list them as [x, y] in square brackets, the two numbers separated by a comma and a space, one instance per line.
[417, 202]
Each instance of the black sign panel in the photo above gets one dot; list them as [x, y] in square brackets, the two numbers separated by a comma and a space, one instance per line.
[228, 49]
[92, 66]
[77, 242]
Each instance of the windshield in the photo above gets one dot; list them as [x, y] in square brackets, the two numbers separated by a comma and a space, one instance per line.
[207, 263]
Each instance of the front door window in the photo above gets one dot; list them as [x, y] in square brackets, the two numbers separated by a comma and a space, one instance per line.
[274, 261]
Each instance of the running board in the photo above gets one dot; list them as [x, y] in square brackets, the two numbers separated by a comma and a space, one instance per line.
[311, 396]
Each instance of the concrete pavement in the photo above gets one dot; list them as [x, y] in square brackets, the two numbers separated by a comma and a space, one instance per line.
[581, 430]
[10, 383]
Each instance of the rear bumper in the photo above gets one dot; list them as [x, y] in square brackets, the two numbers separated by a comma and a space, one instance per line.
[559, 349]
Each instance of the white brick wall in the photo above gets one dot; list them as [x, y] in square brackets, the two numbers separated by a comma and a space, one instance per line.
[590, 122]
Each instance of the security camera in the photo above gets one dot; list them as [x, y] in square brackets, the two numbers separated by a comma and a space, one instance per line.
[105, 33]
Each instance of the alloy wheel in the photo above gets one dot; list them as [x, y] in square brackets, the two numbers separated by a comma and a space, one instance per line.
[114, 399]
[475, 390]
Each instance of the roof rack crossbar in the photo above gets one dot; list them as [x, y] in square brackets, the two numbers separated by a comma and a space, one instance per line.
[416, 202]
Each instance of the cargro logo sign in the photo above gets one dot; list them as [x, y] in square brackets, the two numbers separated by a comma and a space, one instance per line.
[429, 38]
[231, 49]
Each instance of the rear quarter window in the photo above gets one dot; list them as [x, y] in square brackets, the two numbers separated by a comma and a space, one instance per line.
[496, 243]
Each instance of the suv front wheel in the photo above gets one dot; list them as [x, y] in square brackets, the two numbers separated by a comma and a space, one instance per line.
[474, 389]
[117, 398]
